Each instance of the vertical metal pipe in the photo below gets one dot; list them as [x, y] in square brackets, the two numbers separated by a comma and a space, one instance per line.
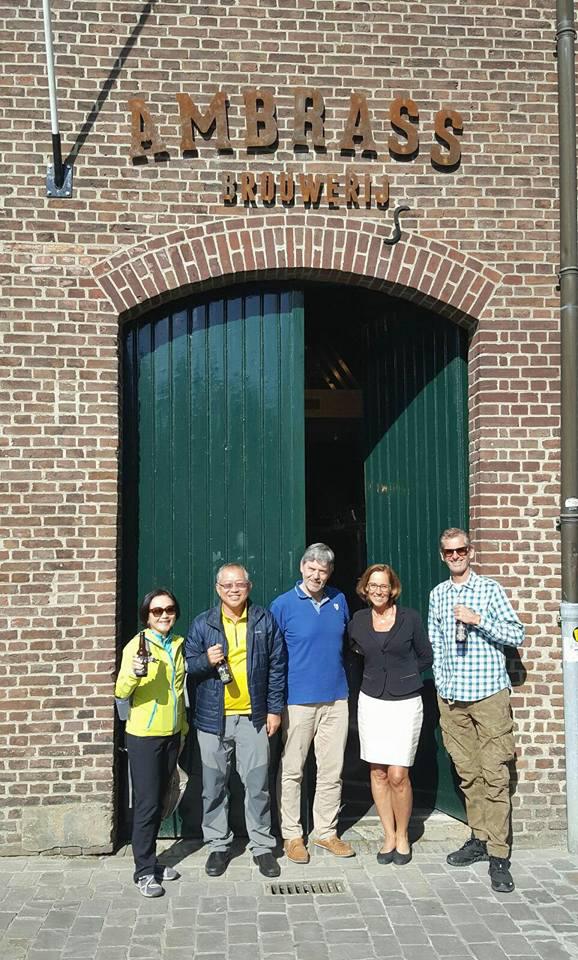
[56, 148]
[566, 36]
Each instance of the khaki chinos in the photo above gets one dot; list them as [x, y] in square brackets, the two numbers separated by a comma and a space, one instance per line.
[478, 737]
[326, 725]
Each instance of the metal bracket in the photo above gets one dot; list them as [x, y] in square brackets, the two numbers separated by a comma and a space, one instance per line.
[571, 505]
[396, 235]
[65, 190]
[569, 624]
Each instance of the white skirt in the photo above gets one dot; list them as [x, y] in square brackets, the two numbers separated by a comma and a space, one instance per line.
[389, 729]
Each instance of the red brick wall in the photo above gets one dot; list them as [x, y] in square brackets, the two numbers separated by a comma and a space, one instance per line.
[480, 242]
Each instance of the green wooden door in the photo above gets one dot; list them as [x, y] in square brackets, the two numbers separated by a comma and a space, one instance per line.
[416, 480]
[213, 460]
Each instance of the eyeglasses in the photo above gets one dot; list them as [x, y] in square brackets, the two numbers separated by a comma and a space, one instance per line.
[461, 552]
[158, 611]
[237, 585]
[378, 588]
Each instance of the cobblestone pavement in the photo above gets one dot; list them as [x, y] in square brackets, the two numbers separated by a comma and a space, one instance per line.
[52, 908]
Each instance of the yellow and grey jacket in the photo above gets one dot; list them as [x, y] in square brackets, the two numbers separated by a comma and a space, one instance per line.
[157, 700]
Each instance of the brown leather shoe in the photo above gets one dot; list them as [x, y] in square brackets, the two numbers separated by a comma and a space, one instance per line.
[339, 848]
[296, 850]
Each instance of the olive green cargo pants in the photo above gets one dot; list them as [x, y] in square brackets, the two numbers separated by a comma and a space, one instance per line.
[478, 737]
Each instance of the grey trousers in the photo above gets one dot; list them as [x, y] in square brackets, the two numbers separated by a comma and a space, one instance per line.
[251, 749]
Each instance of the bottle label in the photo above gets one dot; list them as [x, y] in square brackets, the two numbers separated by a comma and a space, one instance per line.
[224, 673]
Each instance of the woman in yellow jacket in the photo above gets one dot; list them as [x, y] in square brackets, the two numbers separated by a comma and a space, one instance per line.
[155, 729]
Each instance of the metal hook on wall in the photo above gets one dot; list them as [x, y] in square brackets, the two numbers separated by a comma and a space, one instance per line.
[396, 235]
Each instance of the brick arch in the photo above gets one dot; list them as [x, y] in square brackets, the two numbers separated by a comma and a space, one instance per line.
[349, 250]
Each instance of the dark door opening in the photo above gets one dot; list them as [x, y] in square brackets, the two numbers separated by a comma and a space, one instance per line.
[334, 436]
[335, 481]
[335, 499]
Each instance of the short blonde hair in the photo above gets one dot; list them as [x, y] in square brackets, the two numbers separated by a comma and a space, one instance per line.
[452, 532]
[394, 581]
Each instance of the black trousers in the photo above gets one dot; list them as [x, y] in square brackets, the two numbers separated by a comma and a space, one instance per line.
[152, 762]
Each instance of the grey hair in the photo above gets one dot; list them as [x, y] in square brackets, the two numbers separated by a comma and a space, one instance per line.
[232, 566]
[451, 533]
[319, 553]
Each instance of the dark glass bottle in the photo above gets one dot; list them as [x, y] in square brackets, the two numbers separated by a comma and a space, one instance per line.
[461, 638]
[224, 672]
[143, 655]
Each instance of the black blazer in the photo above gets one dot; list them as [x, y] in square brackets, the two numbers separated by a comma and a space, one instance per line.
[393, 664]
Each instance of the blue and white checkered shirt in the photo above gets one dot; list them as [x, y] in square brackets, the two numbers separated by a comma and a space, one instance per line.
[482, 671]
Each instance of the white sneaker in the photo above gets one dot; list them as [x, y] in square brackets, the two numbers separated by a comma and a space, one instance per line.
[169, 873]
[149, 886]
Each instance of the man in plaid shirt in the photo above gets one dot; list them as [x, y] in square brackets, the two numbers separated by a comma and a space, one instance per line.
[473, 690]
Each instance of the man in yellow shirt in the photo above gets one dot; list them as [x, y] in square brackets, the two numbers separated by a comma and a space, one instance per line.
[236, 716]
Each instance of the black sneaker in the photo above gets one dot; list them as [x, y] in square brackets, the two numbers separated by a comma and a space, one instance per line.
[472, 851]
[500, 875]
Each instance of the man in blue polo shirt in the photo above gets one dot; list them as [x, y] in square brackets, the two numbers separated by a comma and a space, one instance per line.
[313, 619]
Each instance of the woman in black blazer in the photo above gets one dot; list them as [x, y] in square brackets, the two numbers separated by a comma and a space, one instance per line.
[395, 648]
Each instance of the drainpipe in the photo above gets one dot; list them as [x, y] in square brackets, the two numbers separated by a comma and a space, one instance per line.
[59, 176]
[566, 36]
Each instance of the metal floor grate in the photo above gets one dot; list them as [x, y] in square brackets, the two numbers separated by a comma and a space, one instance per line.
[298, 887]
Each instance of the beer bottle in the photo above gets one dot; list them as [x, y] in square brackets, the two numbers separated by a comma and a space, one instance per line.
[225, 675]
[143, 655]
[461, 638]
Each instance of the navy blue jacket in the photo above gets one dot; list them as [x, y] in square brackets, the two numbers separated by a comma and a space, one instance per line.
[266, 667]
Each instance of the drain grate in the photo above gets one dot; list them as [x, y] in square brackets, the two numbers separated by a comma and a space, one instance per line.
[297, 887]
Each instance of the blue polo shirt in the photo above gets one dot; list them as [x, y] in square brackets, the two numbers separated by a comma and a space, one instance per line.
[313, 633]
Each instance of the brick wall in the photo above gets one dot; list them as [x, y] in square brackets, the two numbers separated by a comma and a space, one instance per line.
[480, 243]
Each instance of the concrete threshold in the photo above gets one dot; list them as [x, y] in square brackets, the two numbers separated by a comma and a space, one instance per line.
[431, 829]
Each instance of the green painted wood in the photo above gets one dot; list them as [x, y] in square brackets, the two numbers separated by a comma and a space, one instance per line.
[213, 465]
[213, 462]
[416, 478]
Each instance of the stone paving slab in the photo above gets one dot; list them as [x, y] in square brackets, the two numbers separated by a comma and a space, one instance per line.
[90, 909]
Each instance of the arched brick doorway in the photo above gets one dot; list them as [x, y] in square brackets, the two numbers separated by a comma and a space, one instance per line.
[192, 267]
[348, 250]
